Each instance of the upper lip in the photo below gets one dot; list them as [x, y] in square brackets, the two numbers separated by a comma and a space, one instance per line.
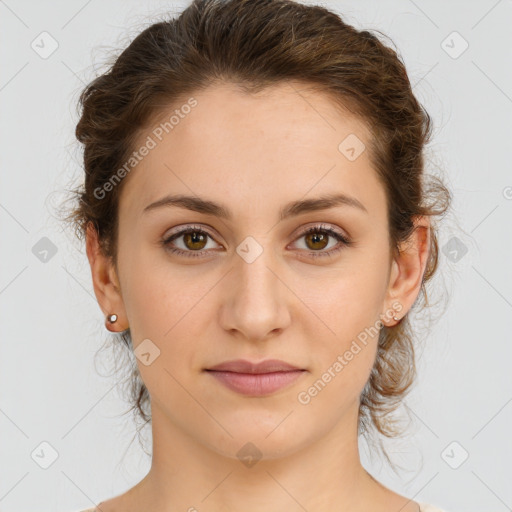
[243, 366]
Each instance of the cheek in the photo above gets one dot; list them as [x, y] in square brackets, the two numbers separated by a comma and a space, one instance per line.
[345, 327]
[347, 301]
[342, 361]
[170, 307]
[153, 291]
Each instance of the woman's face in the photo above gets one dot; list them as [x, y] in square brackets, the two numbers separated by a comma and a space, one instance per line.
[252, 285]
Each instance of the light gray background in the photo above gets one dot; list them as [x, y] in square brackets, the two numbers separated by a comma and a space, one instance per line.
[51, 325]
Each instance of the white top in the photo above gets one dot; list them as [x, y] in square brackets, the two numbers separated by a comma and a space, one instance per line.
[427, 507]
[424, 507]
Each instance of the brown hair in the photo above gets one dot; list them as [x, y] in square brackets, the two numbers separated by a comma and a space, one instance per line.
[255, 44]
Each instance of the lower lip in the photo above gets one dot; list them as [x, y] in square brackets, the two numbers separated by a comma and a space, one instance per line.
[256, 384]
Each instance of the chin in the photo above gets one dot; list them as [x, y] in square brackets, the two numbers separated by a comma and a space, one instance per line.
[255, 441]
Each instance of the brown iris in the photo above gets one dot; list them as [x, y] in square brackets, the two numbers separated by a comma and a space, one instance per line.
[317, 238]
[193, 238]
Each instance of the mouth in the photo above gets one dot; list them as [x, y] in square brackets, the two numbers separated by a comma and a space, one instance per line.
[256, 384]
[256, 379]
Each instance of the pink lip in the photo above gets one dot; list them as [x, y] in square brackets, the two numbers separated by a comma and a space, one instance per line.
[243, 366]
[256, 384]
[255, 379]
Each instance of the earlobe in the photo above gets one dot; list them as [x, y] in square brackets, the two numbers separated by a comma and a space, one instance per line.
[105, 282]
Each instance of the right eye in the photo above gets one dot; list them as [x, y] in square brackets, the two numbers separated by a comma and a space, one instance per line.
[194, 240]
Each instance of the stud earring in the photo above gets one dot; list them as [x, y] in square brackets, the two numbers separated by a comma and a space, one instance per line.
[112, 318]
[395, 318]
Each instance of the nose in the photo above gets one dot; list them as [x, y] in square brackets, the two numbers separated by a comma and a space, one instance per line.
[255, 306]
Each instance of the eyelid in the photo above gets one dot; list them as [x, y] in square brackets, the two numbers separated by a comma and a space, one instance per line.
[182, 229]
[299, 232]
[321, 226]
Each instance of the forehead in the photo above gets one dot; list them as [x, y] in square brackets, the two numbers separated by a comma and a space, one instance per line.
[277, 145]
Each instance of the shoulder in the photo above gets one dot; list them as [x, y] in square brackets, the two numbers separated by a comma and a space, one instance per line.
[427, 507]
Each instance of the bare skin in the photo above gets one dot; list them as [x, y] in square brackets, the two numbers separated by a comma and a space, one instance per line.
[254, 154]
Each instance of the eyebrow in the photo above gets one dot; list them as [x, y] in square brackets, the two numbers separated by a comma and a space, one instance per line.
[292, 209]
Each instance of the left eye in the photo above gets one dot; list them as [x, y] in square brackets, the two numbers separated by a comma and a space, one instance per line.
[194, 240]
[318, 237]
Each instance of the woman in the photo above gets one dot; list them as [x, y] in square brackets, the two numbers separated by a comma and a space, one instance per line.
[259, 226]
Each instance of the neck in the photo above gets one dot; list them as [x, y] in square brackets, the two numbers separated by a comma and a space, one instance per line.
[188, 475]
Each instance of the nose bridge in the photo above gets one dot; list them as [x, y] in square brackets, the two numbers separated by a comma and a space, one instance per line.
[253, 275]
[257, 275]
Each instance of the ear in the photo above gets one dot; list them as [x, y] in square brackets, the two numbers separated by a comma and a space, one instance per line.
[408, 268]
[105, 282]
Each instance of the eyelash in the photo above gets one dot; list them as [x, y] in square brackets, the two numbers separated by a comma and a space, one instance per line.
[344, 241]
